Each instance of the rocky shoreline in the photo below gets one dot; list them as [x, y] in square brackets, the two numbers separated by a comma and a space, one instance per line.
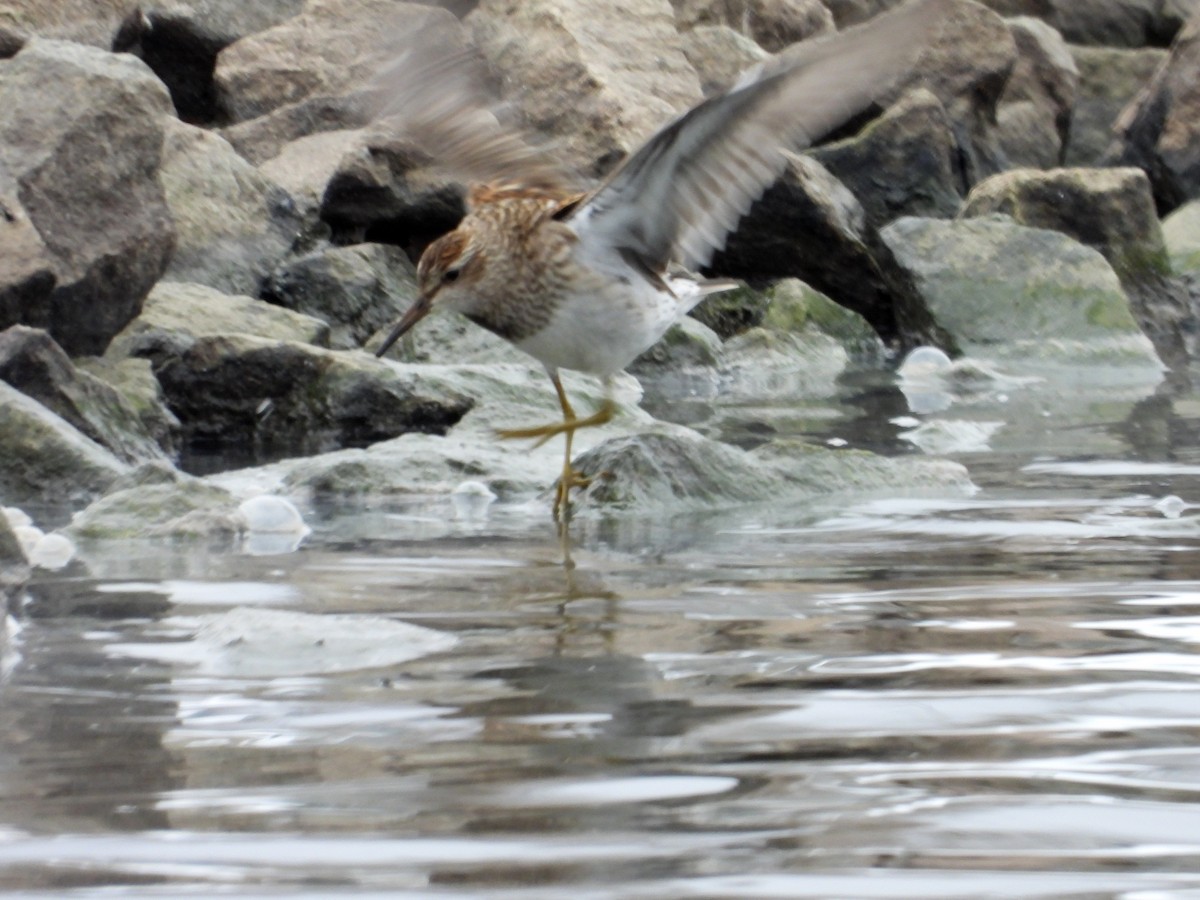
[202, 237]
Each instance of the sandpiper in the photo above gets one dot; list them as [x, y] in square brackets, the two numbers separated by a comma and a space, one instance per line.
[588, 280]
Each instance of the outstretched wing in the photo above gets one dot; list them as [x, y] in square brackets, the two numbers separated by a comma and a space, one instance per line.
[678, 197]
[435, 94]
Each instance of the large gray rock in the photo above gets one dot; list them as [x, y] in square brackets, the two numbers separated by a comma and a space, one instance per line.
[85, 21]
[43, 460]
[1160, 131]
[81, 137]
[26, 266]
[1106, 23]
[1109, 78]
[233, 224]
[357, 289]
[809, 226]
[133, 378]
[286, 398]
[176, 314]
[1035, 109]
[331, 49]
[905, 163]
[1008, 291]
[180, 40]
[852, 12]
[772, 24]
[597, 90]
[32, 363]
[1181, 232]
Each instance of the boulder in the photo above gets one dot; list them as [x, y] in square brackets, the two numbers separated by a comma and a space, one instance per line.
[357, 290]
[1105, 23]
[180, 42]
[1034, 114]
[851, 12]
[32, 363]
[27, 267]
[772, 24]
[1008, 291]
[1160, 130]
[596, 91]
[46, 460]
[233, 224]
[153, 502]
[1109, 78]
[286, 398]
[719, 54]
[809, 226]
[176, 314]
[133, 378]
[14, 569]
[83, 21]
[331, 49]
[81, 138]
[1181, 232]
[906, 162]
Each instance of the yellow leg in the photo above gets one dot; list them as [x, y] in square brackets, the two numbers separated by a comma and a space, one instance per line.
[568, 426]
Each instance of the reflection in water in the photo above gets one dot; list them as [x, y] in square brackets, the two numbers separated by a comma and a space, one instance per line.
[867, 697]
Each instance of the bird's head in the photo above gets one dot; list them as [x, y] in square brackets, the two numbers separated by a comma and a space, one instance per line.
[447, 274]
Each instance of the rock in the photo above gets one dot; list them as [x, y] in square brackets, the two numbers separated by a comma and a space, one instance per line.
[233, 223]
[82, 138]
[331, 49]
[1110, 210]
[772, 24]
[47, 461]
[1035, 109]
[1127, 23]
[1109, 78]
[11, 42]
[906, 162]
[1181, 232]
[180, 42]
[795, 307]
[1008, 291]
[14, 569]
[719, 54]
[596, 91]
[687, 344]
[27, 267]
[179, 507]
[32, 363]
[446, 338]
[851, 12]
[305, 166]
[176, 314]
[808, 226]
[729, 313]
[134, 379]
[286, 398]
[1160, 130]
[357, 290]
[259, 139]
[83, 21]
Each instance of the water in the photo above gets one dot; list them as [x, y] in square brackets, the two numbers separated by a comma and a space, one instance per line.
[890, 696]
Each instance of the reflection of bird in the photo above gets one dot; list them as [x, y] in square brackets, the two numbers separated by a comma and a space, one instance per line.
[586, 281]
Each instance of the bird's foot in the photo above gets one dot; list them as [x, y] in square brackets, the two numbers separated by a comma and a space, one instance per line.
[571, 478]
[543, 433]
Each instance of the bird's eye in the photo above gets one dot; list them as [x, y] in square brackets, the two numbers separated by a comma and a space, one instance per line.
[451, 276]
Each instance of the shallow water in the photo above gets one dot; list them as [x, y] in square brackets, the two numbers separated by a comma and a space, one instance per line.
[889, 696]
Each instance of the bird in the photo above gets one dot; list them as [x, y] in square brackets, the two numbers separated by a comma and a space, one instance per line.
[586, 279]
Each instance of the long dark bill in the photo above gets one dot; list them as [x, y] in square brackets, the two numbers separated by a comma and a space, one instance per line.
[416, 312]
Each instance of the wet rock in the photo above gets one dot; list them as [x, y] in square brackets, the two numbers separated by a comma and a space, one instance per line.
[32, 363]
[1110, 210]
[1008, 291]
[46, 460]
[284, 398]
[150, 503]
[331, 49]
[1109, 78]
[134, 379]
[14, 568]
[809, 226]
[1160, 130]
[81, 138]
[796, 308]
[597, 99]
[1034, 114]
[1128, 23]
[176, 314]
[904, 163]
[719, 54]
[357, 290]
[1181, 232]
[233, 224]
[180, 42]
[772, 24]
[687, 344]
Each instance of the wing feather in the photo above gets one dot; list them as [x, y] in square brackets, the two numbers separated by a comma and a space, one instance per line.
[677, 198]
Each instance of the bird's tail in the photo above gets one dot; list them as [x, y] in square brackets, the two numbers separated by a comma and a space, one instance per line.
[691, 291]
